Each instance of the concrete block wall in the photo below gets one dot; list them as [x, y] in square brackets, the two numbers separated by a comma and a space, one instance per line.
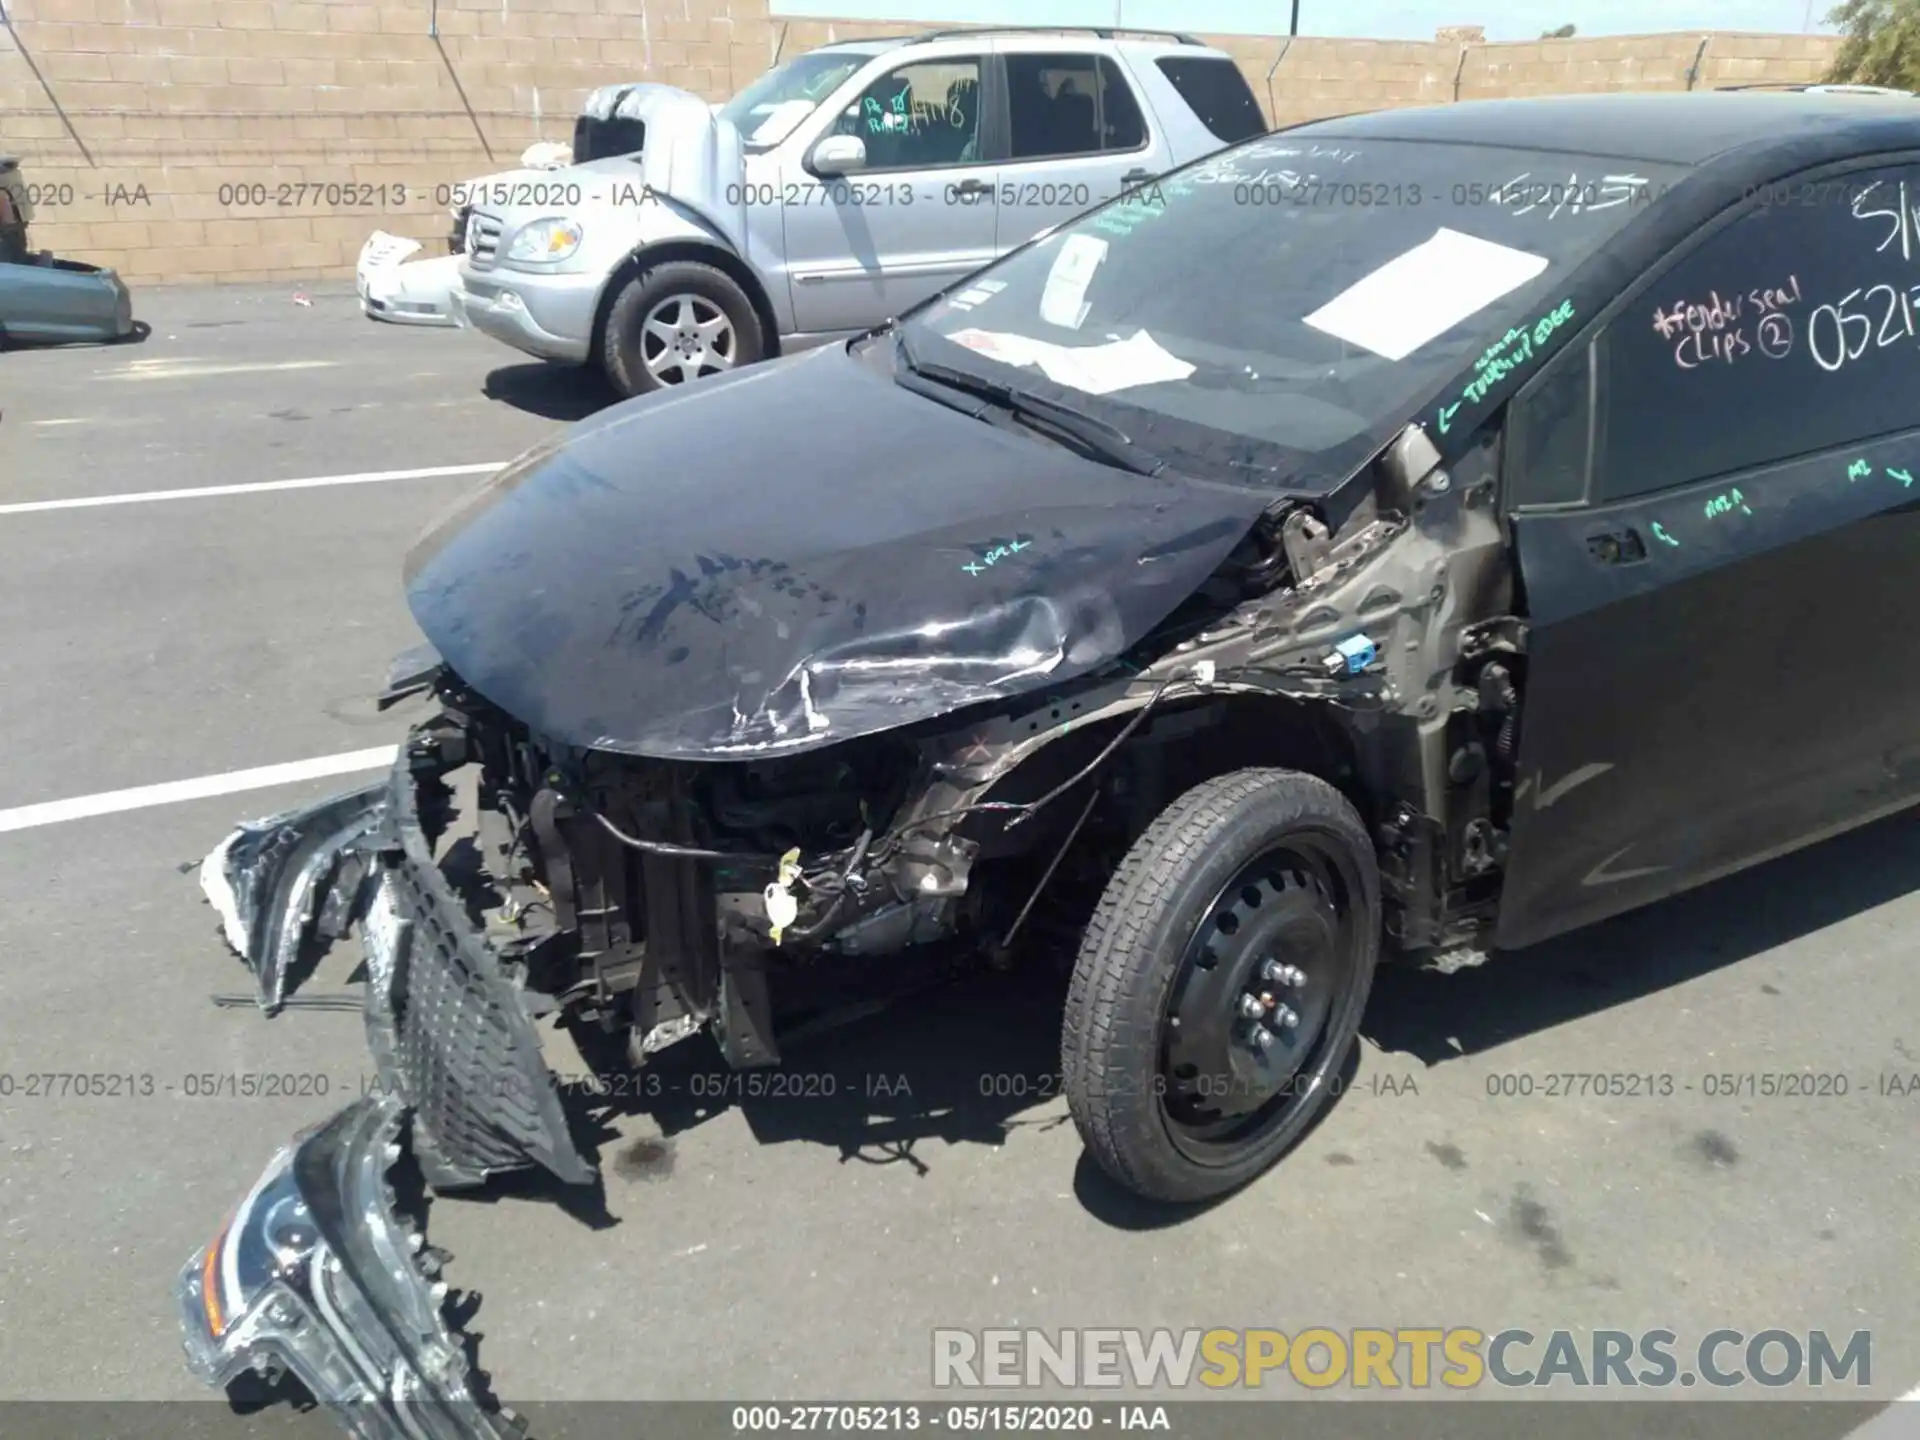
[264, 139]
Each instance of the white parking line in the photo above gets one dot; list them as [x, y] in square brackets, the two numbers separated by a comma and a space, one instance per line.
[200, 492]
[1899, 1421]
[166, 368]
[111, 802]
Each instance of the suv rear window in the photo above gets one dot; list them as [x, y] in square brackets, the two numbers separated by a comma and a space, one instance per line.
[1218, 93]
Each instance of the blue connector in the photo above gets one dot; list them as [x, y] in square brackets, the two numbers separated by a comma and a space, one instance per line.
[1351, 656]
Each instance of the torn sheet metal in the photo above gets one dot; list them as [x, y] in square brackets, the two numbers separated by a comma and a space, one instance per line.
[860, 559]
[485, 1101]
[274, 881]
[316, 1274]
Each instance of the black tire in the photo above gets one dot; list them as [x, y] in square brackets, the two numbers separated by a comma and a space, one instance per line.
[622, 350]
[1289, 860]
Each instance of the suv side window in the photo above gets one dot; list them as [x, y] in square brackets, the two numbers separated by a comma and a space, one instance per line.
[919, 116]
[1218, 94]
[1791, 330]
[1064, 105]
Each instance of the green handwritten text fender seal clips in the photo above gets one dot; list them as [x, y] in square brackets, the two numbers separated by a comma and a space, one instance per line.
[1509, 353]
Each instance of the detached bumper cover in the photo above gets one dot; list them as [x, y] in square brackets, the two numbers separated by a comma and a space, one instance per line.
[448, 1032]
[405, 291]
[60, 301]
[316, 1274]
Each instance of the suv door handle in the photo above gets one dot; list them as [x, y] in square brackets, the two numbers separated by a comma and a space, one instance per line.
[1135, 177]
[973, 187]
[1617, 547]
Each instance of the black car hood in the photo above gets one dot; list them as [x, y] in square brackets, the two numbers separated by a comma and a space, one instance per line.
[797, 554]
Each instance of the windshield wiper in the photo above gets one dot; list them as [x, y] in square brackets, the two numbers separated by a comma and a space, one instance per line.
[1091, 435]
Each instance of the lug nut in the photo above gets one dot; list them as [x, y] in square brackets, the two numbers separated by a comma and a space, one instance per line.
[1283, 974]
[1251, 1007]
[1286, 1019]
[1263, 1039]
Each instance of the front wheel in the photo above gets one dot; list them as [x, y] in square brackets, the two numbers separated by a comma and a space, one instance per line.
[1220, 984]
[675, 322]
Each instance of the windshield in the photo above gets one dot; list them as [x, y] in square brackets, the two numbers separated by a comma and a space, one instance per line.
[769, 109]
[1273, 313]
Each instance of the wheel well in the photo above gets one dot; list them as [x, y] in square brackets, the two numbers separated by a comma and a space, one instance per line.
[701, 253]
[1186, 745]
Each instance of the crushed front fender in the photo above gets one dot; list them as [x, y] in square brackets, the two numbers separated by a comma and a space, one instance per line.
[315, 1273]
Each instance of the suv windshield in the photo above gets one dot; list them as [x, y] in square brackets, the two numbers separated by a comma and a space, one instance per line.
[1276, 311]
[769, 109]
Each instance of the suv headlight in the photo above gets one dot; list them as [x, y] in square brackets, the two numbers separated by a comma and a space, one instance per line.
[554, 238]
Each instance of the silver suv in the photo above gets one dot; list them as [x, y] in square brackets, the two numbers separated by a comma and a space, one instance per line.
[836, 191]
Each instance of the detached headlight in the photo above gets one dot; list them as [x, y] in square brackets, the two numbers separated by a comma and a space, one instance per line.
[553, 238]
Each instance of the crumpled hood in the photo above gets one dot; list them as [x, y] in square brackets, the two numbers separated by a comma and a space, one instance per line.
[690, 155]
[796, 554]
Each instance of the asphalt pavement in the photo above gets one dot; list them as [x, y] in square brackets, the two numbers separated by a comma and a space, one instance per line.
[805, 1244]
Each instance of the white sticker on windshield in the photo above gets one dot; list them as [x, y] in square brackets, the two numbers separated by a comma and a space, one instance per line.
[1092, 369]
[1118, 365]
[1424, 293]
[1064, 301]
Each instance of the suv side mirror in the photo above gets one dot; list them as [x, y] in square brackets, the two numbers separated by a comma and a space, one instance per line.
[838, 155]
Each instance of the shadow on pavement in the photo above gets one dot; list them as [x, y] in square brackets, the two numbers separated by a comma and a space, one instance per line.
[966, 1058]
[1437, 1017]
[551, 391]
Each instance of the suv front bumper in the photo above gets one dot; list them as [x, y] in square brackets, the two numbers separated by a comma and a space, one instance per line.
[315, 1273]
[550, 316]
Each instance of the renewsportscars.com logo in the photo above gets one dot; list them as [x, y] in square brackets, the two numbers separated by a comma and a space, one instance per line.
[1458, 1358]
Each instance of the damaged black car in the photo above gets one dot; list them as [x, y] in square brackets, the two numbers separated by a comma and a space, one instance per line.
[1399, 536]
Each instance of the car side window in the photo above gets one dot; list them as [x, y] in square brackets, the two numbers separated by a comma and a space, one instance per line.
[1549, 434]
[1063, 105]
[1791, 330]
[919, 116]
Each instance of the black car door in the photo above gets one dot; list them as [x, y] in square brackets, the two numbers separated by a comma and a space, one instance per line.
[1718, 539]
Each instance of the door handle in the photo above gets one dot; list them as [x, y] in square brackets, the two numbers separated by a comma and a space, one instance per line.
[973, 187]
[1617, 547]
[1135, 177]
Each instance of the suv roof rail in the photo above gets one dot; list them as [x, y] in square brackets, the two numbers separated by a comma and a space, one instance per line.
[1818, 89]
[1103, 32]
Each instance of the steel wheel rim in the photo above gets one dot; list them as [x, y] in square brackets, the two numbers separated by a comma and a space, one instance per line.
[686, 336]
[1290, 909]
